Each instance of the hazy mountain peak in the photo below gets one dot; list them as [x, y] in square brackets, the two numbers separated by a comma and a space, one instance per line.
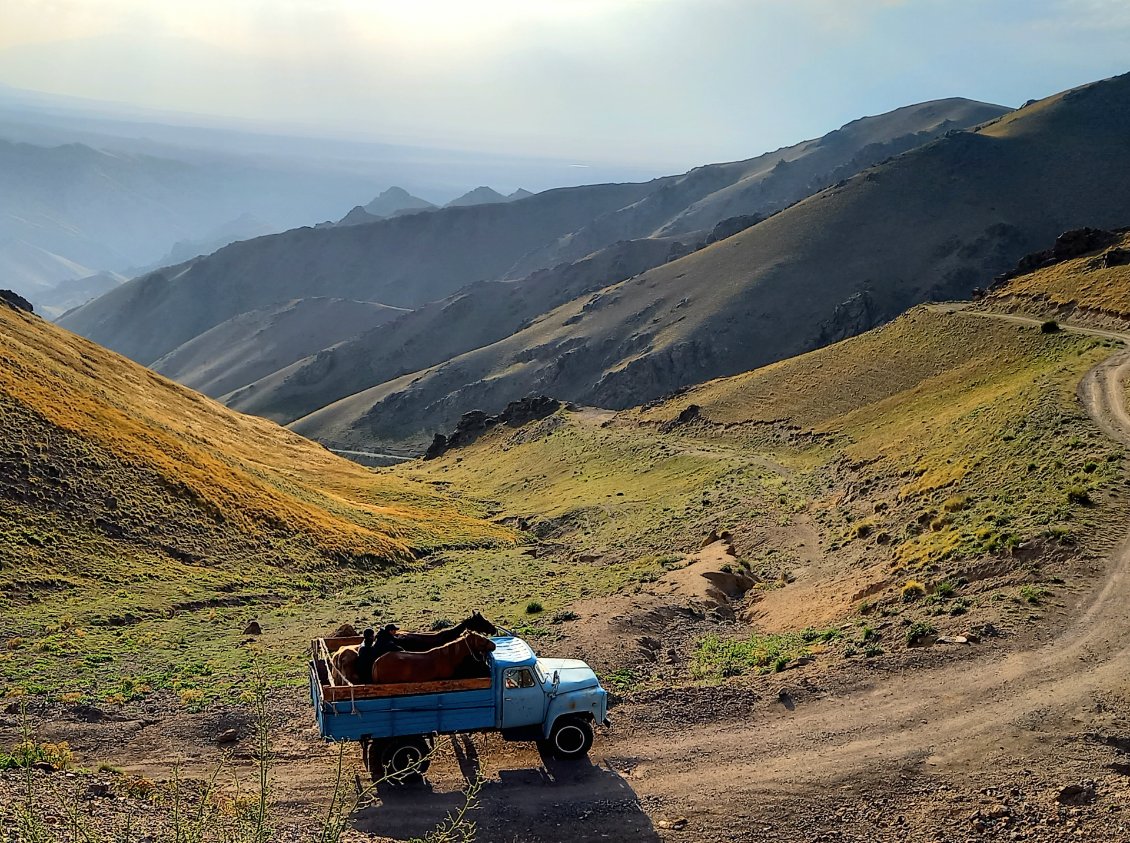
[482, 195]
[395, 200]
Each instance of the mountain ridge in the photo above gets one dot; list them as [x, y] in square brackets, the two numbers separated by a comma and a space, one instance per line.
[932, 223]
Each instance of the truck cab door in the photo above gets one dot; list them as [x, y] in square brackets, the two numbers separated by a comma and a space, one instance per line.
[523, 699]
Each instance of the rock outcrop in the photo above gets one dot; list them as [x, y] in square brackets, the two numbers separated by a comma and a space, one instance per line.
[475, 423]
[15, 300]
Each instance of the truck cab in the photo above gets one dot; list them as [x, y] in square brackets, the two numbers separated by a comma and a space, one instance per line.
[552, 701]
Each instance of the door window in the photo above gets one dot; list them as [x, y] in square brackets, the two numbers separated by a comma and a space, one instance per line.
[519, 677]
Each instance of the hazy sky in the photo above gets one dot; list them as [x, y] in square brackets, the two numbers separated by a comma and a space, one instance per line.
[665, 83]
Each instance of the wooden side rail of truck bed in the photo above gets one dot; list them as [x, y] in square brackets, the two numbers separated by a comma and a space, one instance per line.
[322, 649]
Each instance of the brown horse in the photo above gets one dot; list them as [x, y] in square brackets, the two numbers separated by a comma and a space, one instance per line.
[419, 642]
[342, 663]
[431, 666]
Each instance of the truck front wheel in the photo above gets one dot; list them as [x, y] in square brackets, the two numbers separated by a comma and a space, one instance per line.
[399, 759]
[571, 737]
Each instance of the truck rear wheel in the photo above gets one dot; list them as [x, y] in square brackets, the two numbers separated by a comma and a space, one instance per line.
[399, 759]
[571, 737]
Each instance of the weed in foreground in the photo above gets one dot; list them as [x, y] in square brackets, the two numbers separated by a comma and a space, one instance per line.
[195, 812]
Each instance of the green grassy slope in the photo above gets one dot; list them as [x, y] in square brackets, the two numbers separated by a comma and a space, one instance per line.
[1087, 288]
[939, 448]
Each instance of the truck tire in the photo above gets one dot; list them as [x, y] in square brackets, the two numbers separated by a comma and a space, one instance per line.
[400, 759]
[571, 737]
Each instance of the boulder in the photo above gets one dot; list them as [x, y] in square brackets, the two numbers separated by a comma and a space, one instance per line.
[1077, 794]
[253, 628]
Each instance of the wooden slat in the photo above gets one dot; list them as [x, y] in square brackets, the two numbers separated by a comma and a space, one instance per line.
[341, 693]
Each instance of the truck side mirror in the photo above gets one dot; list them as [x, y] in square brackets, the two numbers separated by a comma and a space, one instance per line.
[556, 679]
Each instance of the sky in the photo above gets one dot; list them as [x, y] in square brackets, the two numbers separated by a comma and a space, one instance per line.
[664, 84]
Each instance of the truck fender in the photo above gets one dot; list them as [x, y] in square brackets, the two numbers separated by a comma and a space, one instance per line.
[558, 709]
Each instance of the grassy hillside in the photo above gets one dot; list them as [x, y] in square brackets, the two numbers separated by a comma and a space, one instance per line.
[127, 499]
[259, 342]
[1089, 288]
[944, 448]
[478, 315]
[931, 224]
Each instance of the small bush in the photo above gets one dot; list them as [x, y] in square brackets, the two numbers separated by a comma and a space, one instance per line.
[28, 752]
[534, 608]
[872, 650]
[564, 615]
[955, 503]
[441, 623]
[1078, 495]
[913, 590]
[945, 589]
[1090, 467]
[1032, 594]
[1049, 327]
[917, 632]
[192, 699]
[811, 635]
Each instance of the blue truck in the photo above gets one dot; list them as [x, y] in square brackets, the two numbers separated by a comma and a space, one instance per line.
[555, 702]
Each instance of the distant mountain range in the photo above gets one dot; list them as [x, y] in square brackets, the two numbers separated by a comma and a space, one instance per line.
[396, 201]
[617, 294]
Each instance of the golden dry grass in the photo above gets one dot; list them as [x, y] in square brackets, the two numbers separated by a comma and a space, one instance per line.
[247, 473]
[1083, 283]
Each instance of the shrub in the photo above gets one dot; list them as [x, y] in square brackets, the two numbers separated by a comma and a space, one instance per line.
[917, 632]
[534, 607]
[441, 623]
[1078, 495]
[28, 752]
[955, 503]
[718, 658]
[1089, 467]
[564, 615]
[1049, 327]
[913, 590]
[1032, 594]
[945, 589]
[872, 650]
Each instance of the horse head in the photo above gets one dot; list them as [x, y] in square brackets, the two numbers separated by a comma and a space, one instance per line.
[478, 645]
[477, 623]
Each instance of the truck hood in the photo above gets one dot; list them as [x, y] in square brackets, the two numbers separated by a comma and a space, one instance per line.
[575, 674]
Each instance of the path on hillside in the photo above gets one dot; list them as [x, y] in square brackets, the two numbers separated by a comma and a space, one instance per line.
[989, 712]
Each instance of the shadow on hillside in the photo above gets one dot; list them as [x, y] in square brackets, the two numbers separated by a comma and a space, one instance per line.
[553, 801]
